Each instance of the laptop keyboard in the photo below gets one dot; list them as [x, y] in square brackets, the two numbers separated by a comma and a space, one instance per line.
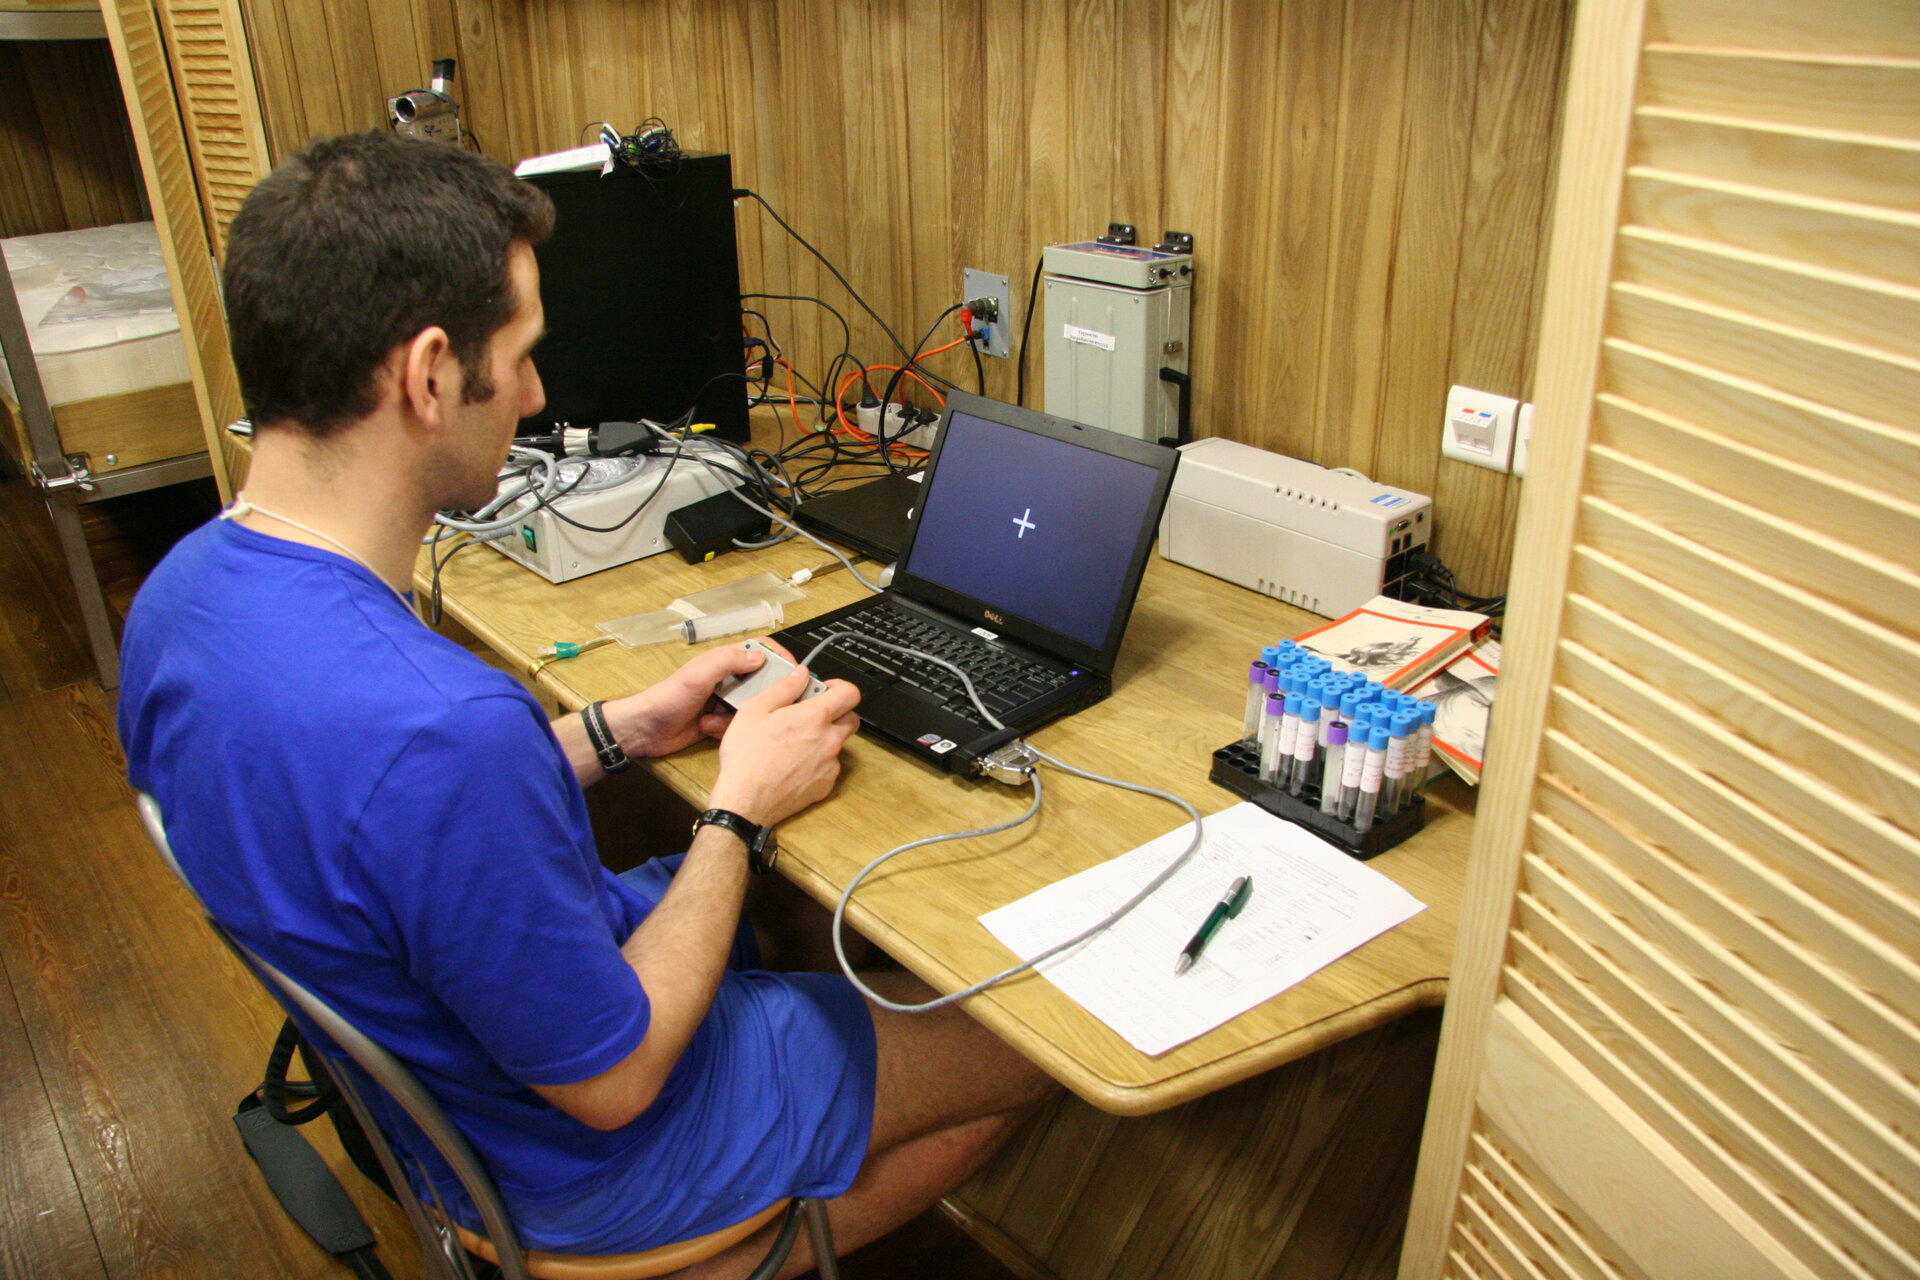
[1002, 680]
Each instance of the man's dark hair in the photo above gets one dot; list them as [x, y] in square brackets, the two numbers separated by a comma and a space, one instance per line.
[352, 247]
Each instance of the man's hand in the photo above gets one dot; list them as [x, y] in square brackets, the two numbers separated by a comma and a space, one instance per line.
[682, 709]
[781, 754]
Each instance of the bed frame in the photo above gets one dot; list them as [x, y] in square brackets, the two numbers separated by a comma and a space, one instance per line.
[86, 450]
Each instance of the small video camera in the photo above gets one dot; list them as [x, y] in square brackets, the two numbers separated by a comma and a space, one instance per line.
[430, 113]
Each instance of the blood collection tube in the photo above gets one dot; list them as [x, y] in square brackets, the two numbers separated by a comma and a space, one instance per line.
[1306, 747]
[1336, 764]
[1256, 701]
[1351, 769]
[1329, 716]
[1371, 776]
[1423, 744]
[1273, 707]
[1284, 750]
[1350, 705]
[1317, 690]
[1399, 763]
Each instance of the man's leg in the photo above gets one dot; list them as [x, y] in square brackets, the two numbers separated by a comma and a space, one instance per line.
[795, 933]
[948, 1093]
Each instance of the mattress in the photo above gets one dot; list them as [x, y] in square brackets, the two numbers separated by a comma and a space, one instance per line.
[98, 311]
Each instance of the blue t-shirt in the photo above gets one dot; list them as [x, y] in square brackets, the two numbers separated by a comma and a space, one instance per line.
[392, 823]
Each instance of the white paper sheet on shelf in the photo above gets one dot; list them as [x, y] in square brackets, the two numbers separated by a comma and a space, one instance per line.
[1311, 904]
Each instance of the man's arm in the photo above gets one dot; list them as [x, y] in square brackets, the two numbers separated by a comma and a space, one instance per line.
[777, 757]
[662, 719]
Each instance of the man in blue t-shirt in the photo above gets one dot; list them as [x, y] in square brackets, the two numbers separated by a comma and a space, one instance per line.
[400, 828]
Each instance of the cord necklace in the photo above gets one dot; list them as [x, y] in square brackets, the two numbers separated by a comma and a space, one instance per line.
[241, 506]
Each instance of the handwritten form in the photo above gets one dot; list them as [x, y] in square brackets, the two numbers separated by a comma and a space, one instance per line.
[1311, 904]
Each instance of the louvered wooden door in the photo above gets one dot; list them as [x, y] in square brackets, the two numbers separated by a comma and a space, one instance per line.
[219, 107]
[1681, 1038]
[184, 70]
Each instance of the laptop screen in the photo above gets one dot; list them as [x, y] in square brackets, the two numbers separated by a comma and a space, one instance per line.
[1033, 525]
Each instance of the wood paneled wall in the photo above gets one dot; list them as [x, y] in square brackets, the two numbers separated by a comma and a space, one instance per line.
[1365, 179]
[66, 160]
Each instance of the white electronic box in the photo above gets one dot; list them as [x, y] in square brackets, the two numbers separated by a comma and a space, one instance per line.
[1115, 337]
[560, 540]
[1322, 540]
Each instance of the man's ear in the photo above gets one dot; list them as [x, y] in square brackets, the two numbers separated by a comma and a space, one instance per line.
[428, 376]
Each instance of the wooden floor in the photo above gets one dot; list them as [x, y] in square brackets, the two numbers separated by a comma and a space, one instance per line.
[127, 1034]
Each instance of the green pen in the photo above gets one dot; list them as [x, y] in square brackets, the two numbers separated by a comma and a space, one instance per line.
[1227, 908]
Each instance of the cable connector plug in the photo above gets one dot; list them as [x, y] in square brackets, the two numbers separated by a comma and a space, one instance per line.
[1011, 763]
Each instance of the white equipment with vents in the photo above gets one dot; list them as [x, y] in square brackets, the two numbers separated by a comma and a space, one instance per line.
[1325, 541]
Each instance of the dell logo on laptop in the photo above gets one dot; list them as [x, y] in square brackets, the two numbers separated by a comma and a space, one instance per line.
[994, 617]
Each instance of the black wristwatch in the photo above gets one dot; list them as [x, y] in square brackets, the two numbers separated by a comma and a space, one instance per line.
[606, 747]
[762, 849]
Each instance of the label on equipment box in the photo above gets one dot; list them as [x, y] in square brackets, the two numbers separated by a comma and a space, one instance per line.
[1088, 337]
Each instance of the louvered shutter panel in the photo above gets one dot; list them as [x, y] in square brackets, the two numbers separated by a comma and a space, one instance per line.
[146, 80]
[213, 79]
[1683, 1034]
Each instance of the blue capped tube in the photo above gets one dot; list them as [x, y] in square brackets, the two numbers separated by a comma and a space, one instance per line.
[1399, 764]
[1352, 768]
[1423, 743]
[1328, 692]
[1333, 769]
[1306, 748]
[1372, 775]
[1284, 748]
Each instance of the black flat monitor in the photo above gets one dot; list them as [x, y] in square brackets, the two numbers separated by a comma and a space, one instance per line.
[641, 284]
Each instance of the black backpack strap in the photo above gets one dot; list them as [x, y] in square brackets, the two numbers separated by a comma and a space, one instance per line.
[275, 1090]
[299, 1178]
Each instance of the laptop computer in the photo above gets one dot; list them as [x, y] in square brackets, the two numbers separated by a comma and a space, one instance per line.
[870, 517]
[1021, 566]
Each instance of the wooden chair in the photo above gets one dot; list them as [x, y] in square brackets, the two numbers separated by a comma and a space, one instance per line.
[445, 1247]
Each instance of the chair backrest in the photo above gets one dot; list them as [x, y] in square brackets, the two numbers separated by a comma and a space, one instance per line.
[442, 1253]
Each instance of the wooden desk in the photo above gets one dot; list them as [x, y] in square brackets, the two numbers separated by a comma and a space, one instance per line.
[1302, 1169]
[1178, 694]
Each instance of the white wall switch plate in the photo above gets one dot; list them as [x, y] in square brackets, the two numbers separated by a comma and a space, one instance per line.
[1479, 428]
[1522, 438]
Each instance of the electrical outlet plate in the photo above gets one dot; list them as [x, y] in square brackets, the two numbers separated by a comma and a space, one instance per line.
[985, 284]
[1522, 438]
[1479, 428]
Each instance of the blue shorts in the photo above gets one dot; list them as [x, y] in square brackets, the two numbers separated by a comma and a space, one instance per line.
[773, 1098]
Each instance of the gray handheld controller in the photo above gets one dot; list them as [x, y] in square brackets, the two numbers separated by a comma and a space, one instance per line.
[735, 690]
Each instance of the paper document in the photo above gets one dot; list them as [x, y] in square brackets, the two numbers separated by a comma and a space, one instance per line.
[1311, 904]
